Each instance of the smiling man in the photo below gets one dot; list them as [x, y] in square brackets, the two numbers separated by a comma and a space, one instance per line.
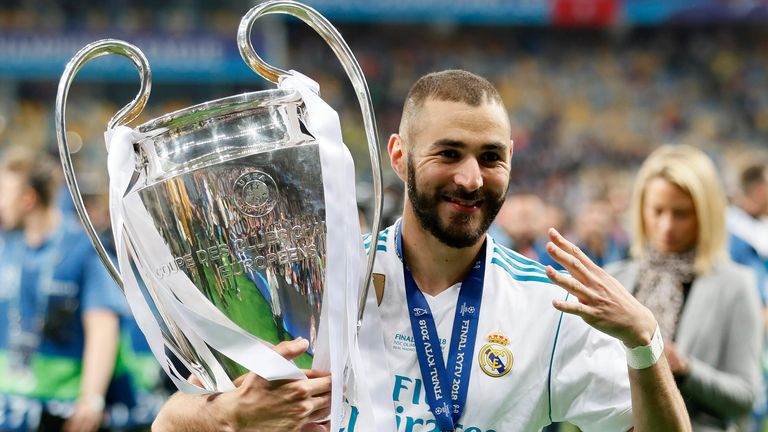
[477, 338]
[522, 345]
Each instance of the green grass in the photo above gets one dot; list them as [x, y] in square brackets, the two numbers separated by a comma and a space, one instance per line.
[251, 311]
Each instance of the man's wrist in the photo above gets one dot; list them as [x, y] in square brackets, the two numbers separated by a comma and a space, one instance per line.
[645, 356]
[641, 333]
[93, 401]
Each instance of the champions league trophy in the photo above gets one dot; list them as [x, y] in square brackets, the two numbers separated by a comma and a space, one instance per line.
[235, 220]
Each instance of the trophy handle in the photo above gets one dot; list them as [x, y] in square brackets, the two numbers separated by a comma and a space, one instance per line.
[355, 74]
[179, 346]
[125, 115]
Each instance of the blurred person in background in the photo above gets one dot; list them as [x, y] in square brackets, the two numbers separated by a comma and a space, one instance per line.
[593, 232]
[520, 225]
[59, 334]
[746, 232]
[149, 386]
[707, 306]
[556, 217]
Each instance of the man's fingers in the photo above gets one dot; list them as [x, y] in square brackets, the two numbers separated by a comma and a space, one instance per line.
[570, 284]
[322, 408]
[250, 377]
[250, 381]
[573, 308]
[292, 349]
[239, 380]
[311, 387]
[580, 259]
[311, 373]
[316, 427]
[569, 262]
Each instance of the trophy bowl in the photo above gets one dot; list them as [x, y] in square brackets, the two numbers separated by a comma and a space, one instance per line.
[235, 190]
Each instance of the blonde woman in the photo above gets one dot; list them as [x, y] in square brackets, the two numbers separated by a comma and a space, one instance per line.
[707, 307]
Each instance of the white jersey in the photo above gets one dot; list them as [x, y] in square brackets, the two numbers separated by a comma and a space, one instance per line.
[532, 365]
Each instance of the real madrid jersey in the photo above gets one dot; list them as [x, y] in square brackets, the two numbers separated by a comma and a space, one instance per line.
[532, 365]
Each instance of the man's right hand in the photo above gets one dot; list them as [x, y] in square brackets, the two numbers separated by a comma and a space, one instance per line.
[256, 405]
[283, 405]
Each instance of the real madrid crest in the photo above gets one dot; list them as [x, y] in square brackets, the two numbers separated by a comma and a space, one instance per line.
[495, 358]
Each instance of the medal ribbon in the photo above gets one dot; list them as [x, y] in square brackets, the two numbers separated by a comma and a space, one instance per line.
[445, 383]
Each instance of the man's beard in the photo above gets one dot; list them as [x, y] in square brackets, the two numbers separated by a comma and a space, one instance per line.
[456, 233]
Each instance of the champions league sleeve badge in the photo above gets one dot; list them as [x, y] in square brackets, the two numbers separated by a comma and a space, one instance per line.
[494, 357]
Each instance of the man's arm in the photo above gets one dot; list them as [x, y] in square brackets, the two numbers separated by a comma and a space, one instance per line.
[656, 401]
[255, 405]
[102, 333]
[606, 305]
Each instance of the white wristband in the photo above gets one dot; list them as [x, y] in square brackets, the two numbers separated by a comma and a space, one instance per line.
[645, 356]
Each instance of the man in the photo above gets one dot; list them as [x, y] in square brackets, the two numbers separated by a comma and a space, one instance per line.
[520, 225]
[445, 282]
[747, 231]
[60, 329]
[594, 233]
[747, 245]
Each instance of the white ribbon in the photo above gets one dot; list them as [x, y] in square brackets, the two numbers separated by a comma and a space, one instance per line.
[120, 165]
[343, 270]
[344, 274]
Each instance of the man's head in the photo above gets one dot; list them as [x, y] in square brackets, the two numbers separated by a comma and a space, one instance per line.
[522, 218]
[453, 152]
[29, 181]
[753, 189]
[449, 86]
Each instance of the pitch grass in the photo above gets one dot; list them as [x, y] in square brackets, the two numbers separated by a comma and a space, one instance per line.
[251, 311]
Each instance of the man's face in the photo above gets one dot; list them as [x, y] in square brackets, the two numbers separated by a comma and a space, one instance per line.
[761, 196]
[522, 218]
[457, 166]
[13, 198]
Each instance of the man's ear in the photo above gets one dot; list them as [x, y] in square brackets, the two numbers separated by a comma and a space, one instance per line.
[397, 156]
[511, 148]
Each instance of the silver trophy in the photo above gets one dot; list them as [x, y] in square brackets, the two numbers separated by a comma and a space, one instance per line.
[234, 189]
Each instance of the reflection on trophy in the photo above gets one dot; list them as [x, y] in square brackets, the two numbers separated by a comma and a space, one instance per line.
[222, 217]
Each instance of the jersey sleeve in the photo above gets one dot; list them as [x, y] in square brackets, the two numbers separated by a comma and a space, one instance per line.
[100, 292]
[589, 383]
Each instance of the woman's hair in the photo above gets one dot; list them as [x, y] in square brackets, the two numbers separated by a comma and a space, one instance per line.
[695, 173]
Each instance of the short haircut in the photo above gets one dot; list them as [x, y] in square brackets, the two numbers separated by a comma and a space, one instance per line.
[751, 176]
[694, 172]
[450, 85]
[37, 170]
